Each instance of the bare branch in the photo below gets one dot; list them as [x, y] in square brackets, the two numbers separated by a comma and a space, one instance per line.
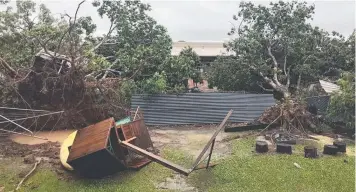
[111, 29]
[70, 26]
[285, 65]
[299, 80]
[260, 85]
[288, 78]
[12, 71]
[275, 66]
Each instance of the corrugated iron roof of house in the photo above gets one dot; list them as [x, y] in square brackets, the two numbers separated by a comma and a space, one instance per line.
[329, 87]
[201, 48]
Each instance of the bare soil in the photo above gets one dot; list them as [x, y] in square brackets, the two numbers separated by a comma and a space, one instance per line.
[191, 139]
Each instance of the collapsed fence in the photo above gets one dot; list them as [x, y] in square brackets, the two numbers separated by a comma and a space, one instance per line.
[196, 108]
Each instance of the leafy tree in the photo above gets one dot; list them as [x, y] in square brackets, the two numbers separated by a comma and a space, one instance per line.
[25, 32]
[194, 63]
[342, 105]
[276, 47]
[139, 45]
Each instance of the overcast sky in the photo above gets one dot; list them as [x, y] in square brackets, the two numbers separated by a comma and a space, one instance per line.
[209, 20]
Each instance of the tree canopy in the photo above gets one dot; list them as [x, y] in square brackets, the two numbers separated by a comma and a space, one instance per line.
[277, 48]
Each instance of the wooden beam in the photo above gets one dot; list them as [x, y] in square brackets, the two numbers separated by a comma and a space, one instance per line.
[131, 139]
[138, 107]
[221, 126]
[211, 152]
[156, 158]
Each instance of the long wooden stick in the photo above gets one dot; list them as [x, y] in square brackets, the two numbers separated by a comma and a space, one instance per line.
[211, 152]
[28, 174]
[221, 126]
[16, 124]
[23, 134]
[24, 118]
[138, 107]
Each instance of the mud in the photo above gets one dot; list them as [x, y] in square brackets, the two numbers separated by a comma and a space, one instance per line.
[53, 136]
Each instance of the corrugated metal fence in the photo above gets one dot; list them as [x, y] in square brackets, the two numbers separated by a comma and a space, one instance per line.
[320, 102]
[194, 108]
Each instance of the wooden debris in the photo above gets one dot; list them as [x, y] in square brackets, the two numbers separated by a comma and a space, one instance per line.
[28, 174]
[261, 146]
[330, 149]
[340, 145]
[284, 148]
[310, 152]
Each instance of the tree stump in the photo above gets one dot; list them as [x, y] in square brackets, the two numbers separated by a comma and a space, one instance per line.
[330, 150]
[284, 148]
[310, 152]
[340, 145]
[261, 146]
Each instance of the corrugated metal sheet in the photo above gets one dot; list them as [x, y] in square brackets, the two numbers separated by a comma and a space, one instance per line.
[320, 102]
[194, 108]
[329, 87]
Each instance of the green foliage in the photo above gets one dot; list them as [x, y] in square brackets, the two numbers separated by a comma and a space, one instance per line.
[342, 105]
[154, 85]
[25, 32]
[192, 59]
[276, 43]
[231, 74]
[180, 68]
[139, 44]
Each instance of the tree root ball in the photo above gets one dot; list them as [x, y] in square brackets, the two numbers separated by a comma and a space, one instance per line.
[284, 148]
[330, 150]
[261, 146]
[310, 152]
[340, 145]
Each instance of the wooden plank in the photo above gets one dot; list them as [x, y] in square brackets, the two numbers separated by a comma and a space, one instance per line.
[91, 139]
[211, 152]
[131, 139]
[156, 158]
[221, 126]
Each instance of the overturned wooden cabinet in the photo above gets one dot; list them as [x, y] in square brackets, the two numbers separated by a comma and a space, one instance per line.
[95, 151]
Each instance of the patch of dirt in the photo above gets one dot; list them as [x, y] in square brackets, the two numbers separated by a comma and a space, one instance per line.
[48, 153]
[192, 139]
[9, 148]
[177, 183]
[53, 136]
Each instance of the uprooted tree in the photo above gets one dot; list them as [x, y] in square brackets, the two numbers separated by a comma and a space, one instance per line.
[55, 63]
[277, 49]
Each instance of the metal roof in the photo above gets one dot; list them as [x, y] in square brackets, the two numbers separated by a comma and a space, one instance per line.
[329, 87]
[201, 48]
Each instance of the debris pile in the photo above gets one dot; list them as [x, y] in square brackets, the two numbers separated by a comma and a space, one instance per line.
[291, 117]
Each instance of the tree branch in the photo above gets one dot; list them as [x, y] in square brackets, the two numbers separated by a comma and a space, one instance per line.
[275, 66]
[288, 78]
[299, 80]
[70, 27]
[12, 71]
[111, 29]
[285, 65]
[260, 85]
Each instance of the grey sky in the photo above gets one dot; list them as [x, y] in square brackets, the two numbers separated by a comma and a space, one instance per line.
[209, 20]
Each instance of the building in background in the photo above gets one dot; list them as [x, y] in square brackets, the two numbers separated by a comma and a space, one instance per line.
[207, 51]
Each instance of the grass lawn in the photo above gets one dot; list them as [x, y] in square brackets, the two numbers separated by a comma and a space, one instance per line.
[242, 171]
[247, 171]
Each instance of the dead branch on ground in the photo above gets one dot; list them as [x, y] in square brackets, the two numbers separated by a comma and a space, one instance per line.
[28, 174]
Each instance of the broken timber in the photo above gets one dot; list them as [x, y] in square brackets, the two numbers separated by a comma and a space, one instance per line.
[156, 158]
[174, 166]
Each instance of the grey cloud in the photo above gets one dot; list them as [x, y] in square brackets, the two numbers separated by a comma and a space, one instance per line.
[209, 20]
